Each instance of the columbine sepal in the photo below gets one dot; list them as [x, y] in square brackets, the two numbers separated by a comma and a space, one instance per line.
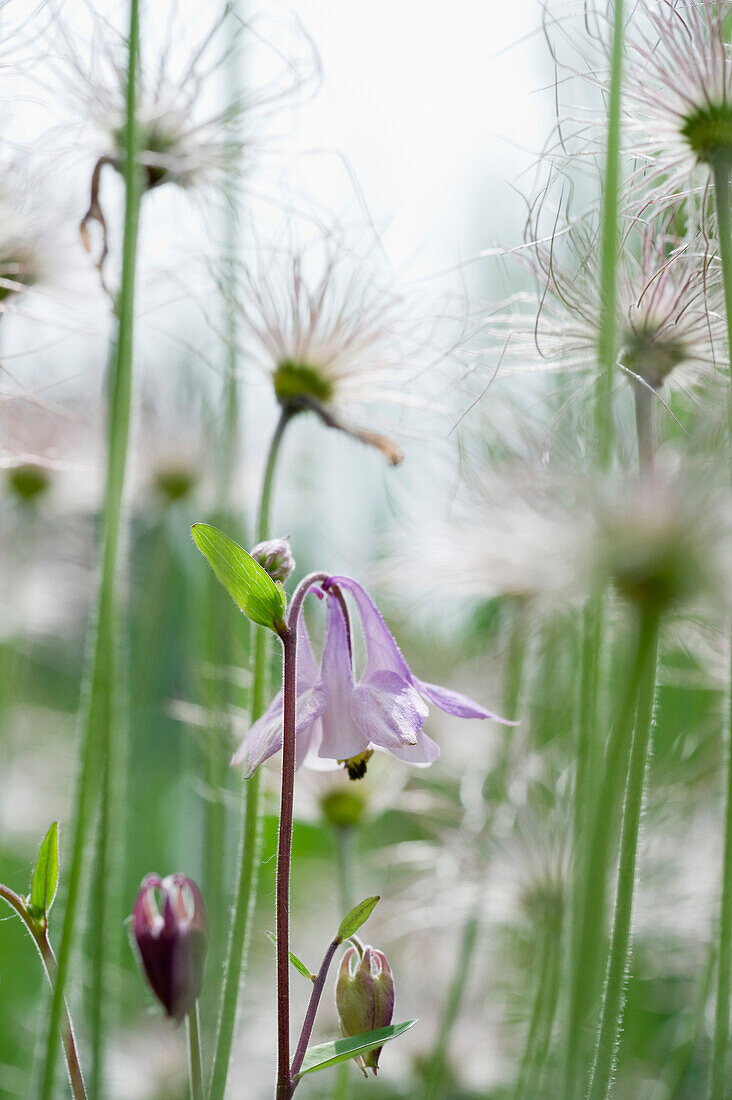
[275, 557]
[364, 998]
[171, 944]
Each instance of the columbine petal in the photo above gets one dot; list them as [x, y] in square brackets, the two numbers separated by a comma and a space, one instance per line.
[265, 737]
[423, 753]
[342, 737]
[388, 710]
[382, 652]
[453, 702]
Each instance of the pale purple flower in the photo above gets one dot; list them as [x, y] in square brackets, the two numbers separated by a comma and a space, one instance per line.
[342, 718]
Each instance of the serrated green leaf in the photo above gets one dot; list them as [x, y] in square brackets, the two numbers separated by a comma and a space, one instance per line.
[45, 875]
[297, 963]
[250, 587]
[358, 916]
[341, 1050]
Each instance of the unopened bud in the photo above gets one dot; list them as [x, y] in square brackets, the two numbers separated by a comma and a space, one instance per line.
[172, 945]
[364, 998]
[275, 557]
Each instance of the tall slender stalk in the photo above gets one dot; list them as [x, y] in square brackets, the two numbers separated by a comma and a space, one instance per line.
[250, 840]
[721, 172]
[96, 737]
[612, 1008]
[542, 1018]
[434, 1087]
[195, 1069]
[284, 1086]
[582, 944]
[609, 249]
[39, 935]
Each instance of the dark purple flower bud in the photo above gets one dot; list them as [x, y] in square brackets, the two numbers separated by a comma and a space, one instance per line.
[275, 557]
[364, 998]
[172, 945]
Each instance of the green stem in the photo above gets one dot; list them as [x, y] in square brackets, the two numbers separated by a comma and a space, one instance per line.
[609, 249]
[344, 837]
[39, 934]
[195, 1068]
[721, 172]
[542, 1019]
[585, 786]
[613, 1006]
[96, 728]
[434, 1089]
[251, 832]
[644, 428]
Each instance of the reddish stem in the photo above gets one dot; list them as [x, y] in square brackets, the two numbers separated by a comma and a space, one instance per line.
[307, 1026]
[288, 636]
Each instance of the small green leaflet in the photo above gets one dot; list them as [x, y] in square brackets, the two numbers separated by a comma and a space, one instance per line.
[297, 963]
[45, 875]
[250, 587]
[341, 1050]
[358, 916]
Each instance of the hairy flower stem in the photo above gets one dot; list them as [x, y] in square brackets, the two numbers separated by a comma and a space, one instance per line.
[609, 249]
[284, 837]
[721, 172]
[591, 906]
[39, 935]
[613, 999]
[96, 737]
[250, 845]
[195, 1068]
[434, 1087]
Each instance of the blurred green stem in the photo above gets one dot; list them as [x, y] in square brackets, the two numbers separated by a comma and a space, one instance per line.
[612, 1008]
[97, 736]
[585, 785]
[195, 1069]
[721, 172]
[434, 1089]
[645, 399]
[251, 833]
[344, 837]
[539, 1032]
[609, 249]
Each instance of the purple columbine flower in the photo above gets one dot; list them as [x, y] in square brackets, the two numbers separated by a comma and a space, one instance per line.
[172, 944]
[343, 719]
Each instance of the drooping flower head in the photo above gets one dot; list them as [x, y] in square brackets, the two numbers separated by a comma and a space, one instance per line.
[364, 998]
[343, 717]
[172, 944]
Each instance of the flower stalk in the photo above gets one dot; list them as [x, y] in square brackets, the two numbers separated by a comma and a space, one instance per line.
[609, 249]
[99, 749]
[721, 165]
[39, 934]
[251, 831]
[195, 1066]
[644, 675]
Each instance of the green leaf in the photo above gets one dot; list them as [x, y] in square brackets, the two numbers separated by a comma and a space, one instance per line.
[341, 1050]
[358, 916]
[297, 963]
[45, 875]
[250, 587]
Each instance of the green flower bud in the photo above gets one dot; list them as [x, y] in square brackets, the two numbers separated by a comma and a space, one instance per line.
[364, 998]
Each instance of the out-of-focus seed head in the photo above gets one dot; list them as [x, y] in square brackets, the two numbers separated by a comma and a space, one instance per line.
[174, 482]
[656, 546]
[28, 481]
[343, 807]
[171, 944]
[364, 998]
[275, 557]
